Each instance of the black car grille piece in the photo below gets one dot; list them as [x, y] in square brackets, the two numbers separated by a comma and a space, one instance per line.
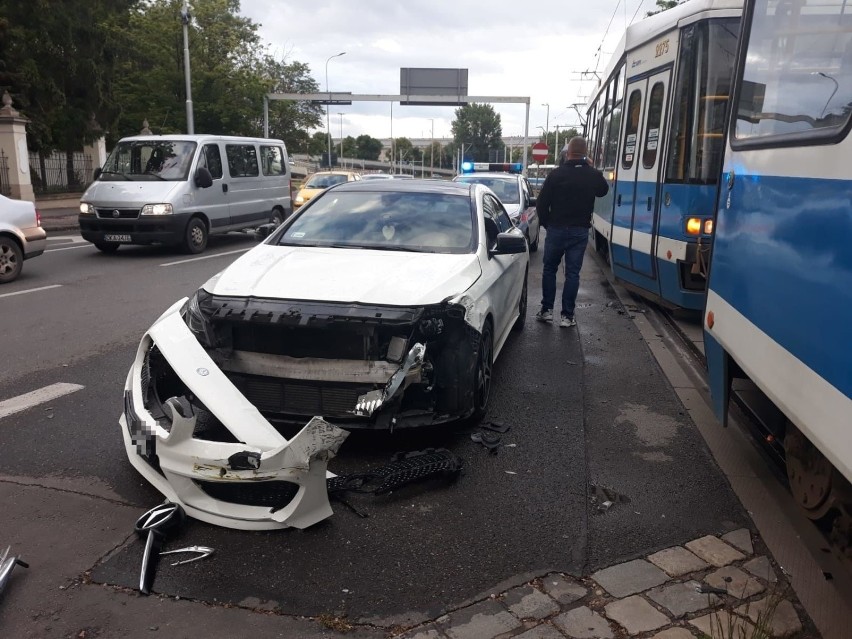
[404, 469]
[267, 494]
[123, 214]
[271, 395]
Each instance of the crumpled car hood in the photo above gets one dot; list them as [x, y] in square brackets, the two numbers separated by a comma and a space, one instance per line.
[348, 275]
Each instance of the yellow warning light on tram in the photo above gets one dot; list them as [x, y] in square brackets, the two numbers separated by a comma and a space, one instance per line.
[693, 226]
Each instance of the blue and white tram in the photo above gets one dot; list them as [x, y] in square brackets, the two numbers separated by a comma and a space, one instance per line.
[656, 126]
[779, 302]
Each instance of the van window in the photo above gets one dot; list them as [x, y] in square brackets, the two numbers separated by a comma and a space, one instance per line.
[273, 160]
[211, 159]
[242, 160]
[143, 160]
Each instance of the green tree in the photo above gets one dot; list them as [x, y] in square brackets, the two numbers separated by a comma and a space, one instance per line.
[288, 120]
[478, 128]
[662, 5]
[350, 147]
[368, 148]
[318, 143]
[57, 60]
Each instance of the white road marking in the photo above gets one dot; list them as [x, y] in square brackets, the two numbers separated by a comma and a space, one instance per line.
[36, 397]
[76, 239]
[68, 248]
[206, 257]
[31, 290]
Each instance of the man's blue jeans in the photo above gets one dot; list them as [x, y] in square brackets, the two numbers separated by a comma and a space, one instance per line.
[571, 243]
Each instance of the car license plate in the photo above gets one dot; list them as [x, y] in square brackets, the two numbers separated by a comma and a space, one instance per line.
[116, 238]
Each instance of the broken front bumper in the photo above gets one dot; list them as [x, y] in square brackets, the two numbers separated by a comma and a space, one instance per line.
[207, 448]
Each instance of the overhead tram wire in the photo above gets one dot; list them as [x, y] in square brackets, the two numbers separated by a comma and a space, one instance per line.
[600, 46]
[636, 12]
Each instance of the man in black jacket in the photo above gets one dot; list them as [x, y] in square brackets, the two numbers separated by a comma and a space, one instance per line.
[565, 206]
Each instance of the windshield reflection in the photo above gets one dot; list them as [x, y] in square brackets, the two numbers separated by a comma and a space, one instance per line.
[149, 160]
[419, 222]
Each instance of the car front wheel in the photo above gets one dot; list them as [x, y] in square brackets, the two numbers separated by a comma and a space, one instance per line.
[11, 260]
[195, 240]
[522, 308]
[484, 367]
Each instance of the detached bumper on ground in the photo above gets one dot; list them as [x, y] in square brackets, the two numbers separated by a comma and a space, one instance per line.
[199, 441]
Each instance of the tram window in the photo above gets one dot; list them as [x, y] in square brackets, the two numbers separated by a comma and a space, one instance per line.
[652, 129]
[619, 84]
[631, 129]
[797, 77]
[702, 88]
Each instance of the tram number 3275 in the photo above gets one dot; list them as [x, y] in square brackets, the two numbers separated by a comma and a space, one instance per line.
[662, 48]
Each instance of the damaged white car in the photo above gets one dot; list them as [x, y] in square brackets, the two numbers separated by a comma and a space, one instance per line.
[379, 305]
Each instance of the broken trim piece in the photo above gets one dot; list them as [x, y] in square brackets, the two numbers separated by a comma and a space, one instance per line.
[370, 402]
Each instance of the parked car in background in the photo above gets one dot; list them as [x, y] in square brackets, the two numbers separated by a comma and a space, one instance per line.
[320, 181]
[376, 176]
[21, 236]
[514, 191]
[179, 189]
[379, 305]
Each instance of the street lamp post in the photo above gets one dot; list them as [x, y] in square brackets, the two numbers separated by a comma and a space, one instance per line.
[341, 135]
[328, 106]
[185, 18]
[547, 120]
[432, 150]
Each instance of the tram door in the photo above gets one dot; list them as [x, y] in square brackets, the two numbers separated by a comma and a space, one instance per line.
[640, 160]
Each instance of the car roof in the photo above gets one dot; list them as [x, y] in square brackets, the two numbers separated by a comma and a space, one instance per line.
[408, 186]
[485, 174]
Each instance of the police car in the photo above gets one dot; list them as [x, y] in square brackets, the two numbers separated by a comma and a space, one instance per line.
[513, 190]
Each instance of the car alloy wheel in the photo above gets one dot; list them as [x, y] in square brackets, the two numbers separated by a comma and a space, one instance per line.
[484, 366]
[11, 260]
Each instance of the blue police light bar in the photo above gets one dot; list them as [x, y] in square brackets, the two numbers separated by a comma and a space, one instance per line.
[485, 167]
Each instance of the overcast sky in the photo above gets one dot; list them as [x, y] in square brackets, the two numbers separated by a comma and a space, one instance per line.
[532, 48]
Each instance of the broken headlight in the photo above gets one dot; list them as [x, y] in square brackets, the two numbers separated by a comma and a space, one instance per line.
[195, 319]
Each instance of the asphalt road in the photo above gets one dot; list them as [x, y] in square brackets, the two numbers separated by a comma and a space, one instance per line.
[592, 419]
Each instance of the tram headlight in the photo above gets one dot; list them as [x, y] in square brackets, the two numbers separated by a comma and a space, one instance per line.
[708, 227]
[693, 226]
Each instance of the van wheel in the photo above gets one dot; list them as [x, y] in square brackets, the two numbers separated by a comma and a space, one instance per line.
[277, 217]
[11, 260]
[195, 239]
[107, 247]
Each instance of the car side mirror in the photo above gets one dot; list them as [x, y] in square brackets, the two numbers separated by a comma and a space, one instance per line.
[532, 201]
[264, 230]
[97, 173]
[203, 178]
[510, 243]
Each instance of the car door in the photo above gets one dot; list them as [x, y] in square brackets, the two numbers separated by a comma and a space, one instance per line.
[212, 201]
[245, 188]
[506, 280]
[531, 213]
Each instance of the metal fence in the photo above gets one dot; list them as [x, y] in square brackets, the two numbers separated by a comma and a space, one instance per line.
[54, 173]
[5, 187]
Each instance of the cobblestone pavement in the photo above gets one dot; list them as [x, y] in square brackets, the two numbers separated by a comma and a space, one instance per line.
[709, 587]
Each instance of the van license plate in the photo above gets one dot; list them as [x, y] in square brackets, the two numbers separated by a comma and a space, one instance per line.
[116, 238]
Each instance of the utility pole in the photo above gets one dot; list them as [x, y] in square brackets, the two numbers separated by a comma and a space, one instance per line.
[185, 18]
[328, 105]
[547, 121]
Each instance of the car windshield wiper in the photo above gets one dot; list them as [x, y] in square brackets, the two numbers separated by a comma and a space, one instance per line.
[159, 177]
[390, 247]
[124, 175]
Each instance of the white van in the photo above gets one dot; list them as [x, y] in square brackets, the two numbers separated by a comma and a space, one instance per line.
[178, 189]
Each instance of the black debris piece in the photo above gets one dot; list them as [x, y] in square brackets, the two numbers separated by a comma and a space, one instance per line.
[498, 427]
[491, 441]
[403, 469]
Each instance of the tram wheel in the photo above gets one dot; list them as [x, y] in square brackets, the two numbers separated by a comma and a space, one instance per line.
[809, 473]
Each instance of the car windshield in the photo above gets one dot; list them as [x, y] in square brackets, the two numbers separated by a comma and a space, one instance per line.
[505, 189]
[138, 160]
[317, 181]
[390, 221]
